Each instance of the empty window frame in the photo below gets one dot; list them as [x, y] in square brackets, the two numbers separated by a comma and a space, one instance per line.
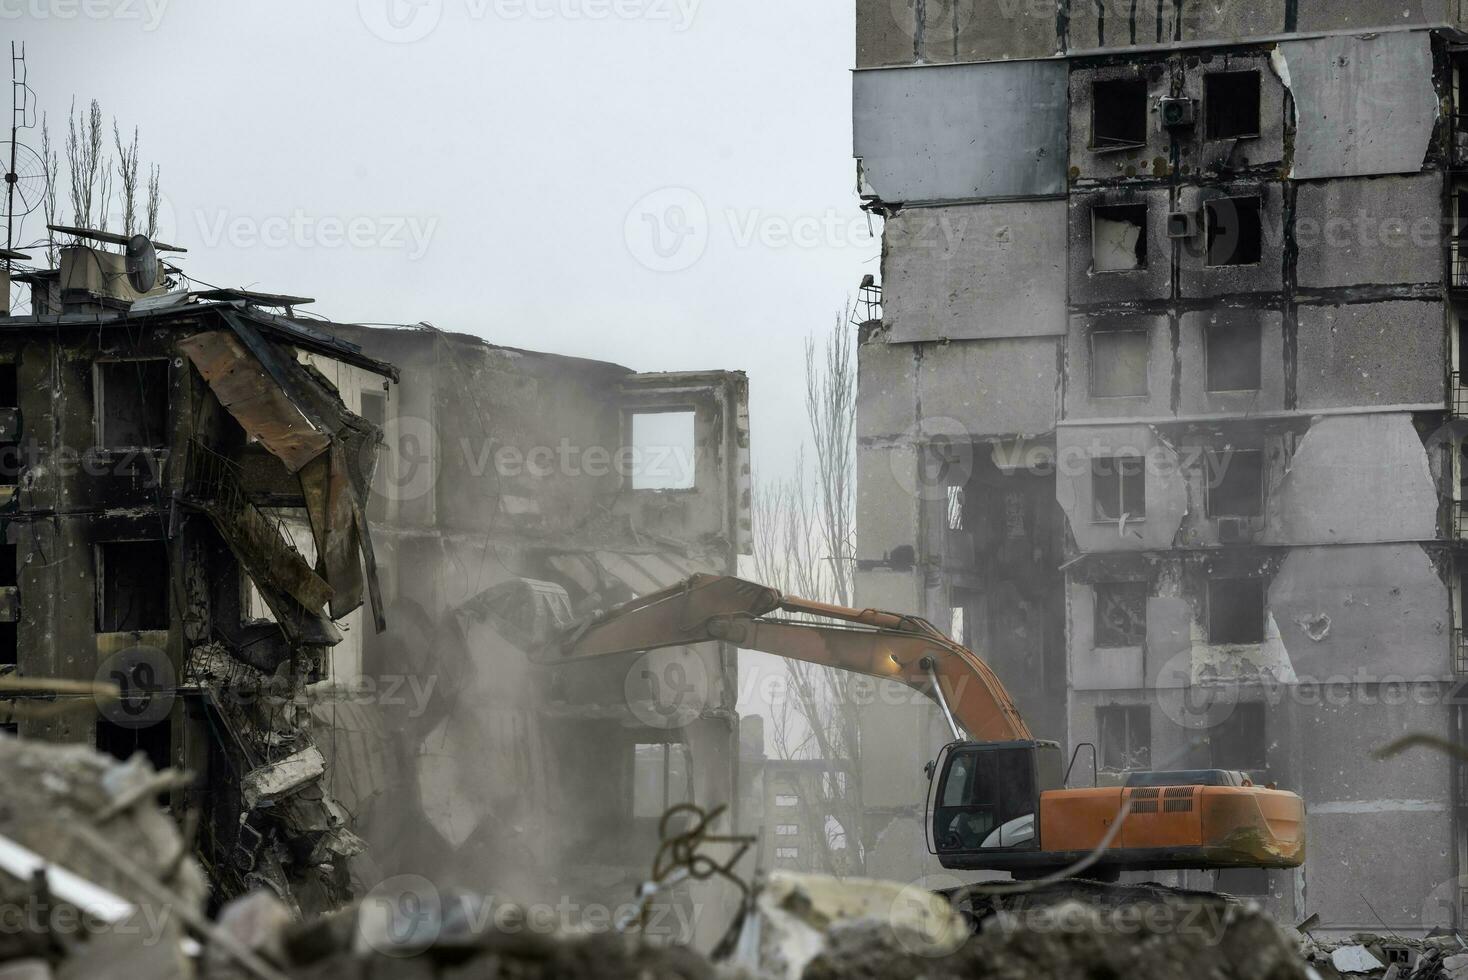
[1118, 237]
[1236, 610]
[663, 450]
[1118, 113]
[785, 799]
[1121, 614]
[9, 385]
[1235, 482]
[1235, 231]
[786, 829]
[132, 586]
[1233, 355]
[155, 741]
[1231, 105]
[788, 853]
[1119, 361]
[1239, 741]
[1118, 487]
[131, 402]
[1125, 734]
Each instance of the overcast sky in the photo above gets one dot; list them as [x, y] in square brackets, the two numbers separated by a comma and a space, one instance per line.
[666, 184]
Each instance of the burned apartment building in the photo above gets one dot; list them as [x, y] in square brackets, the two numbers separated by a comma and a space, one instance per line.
[517, 484]
[312, 575]
[1163, 412]
[155, 441]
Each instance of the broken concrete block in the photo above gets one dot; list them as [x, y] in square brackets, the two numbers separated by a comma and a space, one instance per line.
[1355, 959]
[258, 922]
[1455, 967]
[277, 779]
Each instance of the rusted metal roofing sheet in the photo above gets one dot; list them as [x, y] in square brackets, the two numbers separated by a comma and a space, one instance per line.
[257, 402]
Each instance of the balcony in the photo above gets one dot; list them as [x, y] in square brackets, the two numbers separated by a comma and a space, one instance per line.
[1458, 263]
[1458, 392]
[1460, 652]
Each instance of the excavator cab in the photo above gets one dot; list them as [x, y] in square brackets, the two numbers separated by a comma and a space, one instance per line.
[985, 797]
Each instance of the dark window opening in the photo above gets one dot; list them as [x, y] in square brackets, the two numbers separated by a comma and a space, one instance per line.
[131, 400]
[1235, 231]
[1241, 881]
[1235, 483]
[1118, 113]
[132, 586]
[1236, 611]
[155, 741]
[1238, 741]
[1121, 614]
[9, 631]
[1119, 360]
[1118, 237]
[1118, 487]
[1233, 353]
[9, 386]
[1232, 104]
[1125, 734]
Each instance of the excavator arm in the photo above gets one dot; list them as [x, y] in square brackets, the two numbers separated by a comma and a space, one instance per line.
[755, 617]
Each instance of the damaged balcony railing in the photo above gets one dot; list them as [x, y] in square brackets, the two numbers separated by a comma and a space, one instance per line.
[1460, 651]
[1458, 262]
[1458, 394]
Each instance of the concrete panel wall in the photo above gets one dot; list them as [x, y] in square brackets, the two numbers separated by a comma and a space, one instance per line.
[959, 133]
[1371, 354]
[886, 389]
[1355, 479]
[992, 387]
[1198, 278]
[1082, 403]
[1364, 104]
[977, 271]
[1152, 282]
[1378, 607]
[887, 507]
[1088, 162]
[897, 32]
[1231, 155]
[1330, 15]
[1167, 496]
[1368, 231]
[1194, 396]
[1093, 668]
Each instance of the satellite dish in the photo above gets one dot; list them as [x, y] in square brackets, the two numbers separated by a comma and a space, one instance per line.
[142, 263]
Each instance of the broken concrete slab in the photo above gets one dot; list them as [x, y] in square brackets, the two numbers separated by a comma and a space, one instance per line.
[279, 779]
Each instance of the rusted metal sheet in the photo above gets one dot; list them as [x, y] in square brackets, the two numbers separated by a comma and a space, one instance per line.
[276, 565]
[329, 505]
[260, 405]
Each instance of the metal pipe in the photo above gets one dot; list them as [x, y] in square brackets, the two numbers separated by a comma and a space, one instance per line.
[941, 698]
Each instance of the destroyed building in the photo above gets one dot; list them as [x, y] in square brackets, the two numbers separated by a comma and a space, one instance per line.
[153, 441]
[1163, 411]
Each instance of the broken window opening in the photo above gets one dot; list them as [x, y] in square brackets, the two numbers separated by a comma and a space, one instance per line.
[9, 385]
[787, 853]
[1235, 231]
[1238, 741]
[786, 829]
[1119, 361]
[785, 799]
[1236, 611]
[1233, 356]
[1121, 614]
[1118, 488]
[131, 402]
[1118, 237]
[955, 508]
[1231, 105]
[155, 741]
[1235, 483]
[1118, 113]
[132, 586]
[1125, 734]
[660, 778]
[955, 624]
[833, 783]
[663, 450]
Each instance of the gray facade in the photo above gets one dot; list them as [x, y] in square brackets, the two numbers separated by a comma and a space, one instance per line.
[1198, 502]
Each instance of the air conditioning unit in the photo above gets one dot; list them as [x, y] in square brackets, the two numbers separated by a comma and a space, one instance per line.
[1183, 224]
[1234, 530]
[1178, 113]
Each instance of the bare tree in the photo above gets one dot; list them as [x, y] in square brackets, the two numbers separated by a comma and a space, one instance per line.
[127, 176]
[804, 531]
[154, 172]
[48, 199]
[84, 158]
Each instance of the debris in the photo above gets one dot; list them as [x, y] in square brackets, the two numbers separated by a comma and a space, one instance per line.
[1354, 959]
[274, 780]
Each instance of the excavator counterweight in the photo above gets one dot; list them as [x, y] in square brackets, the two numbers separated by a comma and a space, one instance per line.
[997, 799]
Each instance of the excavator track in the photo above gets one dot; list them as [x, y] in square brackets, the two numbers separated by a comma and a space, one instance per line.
[1181, 904]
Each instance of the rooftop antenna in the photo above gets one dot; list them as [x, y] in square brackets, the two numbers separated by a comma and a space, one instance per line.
[25, 175]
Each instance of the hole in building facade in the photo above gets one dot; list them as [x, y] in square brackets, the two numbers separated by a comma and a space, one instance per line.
[1235, 231]
[1236, 611]
[1125, 734]
[1233, 353]
[1121, 614]
[132, 586]
[1118, 237]
[1231, 104]
[131, 400]
[1235, 482]
[1118, 487]
[1118, 113]
[663, 445]
[1119, 360]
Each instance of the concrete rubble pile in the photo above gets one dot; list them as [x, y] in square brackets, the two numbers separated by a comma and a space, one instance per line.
[1443, 957]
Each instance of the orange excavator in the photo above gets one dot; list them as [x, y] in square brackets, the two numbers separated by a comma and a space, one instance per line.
[997, 798]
